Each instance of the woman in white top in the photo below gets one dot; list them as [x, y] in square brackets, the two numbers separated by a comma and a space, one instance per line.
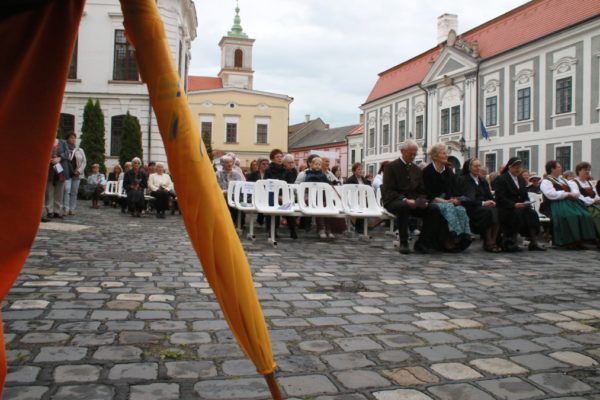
[587, 193]
[572, 224]
[378, 180]
[160, 185]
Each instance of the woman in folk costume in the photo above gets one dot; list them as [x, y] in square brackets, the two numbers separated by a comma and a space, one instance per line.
[477, 198]
[514, 209]
[587, 193]
[572, 224]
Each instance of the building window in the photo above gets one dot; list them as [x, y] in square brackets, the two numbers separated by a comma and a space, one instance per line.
[524, 104]
[371, 138]
[261, 133]
[66, 124]
[125, 68]
[563, 156]
[238, 58]
[352, 156]
[564, 99]
[231, 132]
[419, 126]
[73, 65]
[455, 122]
[206, 131]
[490, 162]
[386, 135]
[116, 129]
[445, 122]
[401, 131]
[523, 155]
[491, 111]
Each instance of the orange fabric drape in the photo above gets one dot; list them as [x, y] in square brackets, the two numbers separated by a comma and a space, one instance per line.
[36, 47]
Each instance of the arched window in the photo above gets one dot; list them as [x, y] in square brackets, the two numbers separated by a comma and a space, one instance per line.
[66, 124]
[238, 58]
[116, 128]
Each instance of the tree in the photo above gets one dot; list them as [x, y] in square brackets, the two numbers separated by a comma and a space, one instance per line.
[131, 139]
[206, 139]
[92, 135]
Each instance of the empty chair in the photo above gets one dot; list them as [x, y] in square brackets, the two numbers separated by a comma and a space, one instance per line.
[244, 202]
[112, 188]
[536, 202]
[360, 201]
[318, 199]
[273, 197]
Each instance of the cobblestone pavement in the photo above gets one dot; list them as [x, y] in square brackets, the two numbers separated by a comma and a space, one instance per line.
[113, 307]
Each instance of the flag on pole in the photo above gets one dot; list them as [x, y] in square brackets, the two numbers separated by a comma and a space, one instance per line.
[484, 133]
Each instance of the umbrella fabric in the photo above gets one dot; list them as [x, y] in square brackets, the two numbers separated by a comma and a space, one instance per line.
[204, 210]
[37, 40]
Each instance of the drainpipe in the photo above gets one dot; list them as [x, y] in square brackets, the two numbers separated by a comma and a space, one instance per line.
[149, 130]
[477, 123]
[425, 124]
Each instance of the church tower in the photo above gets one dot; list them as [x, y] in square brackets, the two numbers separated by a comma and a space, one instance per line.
[236, 56]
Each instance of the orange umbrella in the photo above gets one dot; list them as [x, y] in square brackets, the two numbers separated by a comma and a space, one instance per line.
[205, 212]
[37, 40]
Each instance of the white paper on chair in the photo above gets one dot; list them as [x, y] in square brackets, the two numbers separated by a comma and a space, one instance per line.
[248, 188]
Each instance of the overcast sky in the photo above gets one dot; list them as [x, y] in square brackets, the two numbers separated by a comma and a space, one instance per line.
[326, 54]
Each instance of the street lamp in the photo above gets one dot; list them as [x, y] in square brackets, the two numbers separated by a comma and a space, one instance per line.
[464, 149]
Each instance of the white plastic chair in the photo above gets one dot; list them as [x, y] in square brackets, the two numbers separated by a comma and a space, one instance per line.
[111, 189]
[244, 202]
[536, 200]
[121, 190]
[318, 199]
[385, 214]
[272, 197]
[360, 201]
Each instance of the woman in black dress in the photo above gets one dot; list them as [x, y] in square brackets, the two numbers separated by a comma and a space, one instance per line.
[481, 207]
[135, 182]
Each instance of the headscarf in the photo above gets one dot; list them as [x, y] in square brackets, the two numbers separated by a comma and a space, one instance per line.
[466, 169]
[512, 161]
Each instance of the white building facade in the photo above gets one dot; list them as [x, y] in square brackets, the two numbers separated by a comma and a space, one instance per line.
[538, 100]
[104, 68]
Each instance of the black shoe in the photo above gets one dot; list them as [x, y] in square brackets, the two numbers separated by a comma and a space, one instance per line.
[293, 235]
[44, 219]
[404, 248]
[536, 247]
[422, 249]
[57, 215]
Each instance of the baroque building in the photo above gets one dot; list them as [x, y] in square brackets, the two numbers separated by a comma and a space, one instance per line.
[103, 67]
[526, 83]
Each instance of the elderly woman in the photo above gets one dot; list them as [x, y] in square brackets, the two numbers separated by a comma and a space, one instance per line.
[358, 175]
[226, 174]
[160, 186]
[97, 182]
[135, 182]
[442, 191]
[477, 198]
[587, 193]
[514, 208]
[572, 223]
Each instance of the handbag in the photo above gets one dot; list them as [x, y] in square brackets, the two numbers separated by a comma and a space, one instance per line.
[59, 174]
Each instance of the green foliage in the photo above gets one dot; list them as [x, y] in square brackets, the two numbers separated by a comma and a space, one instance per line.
[206, 139]
[92, 135]
[131, 139]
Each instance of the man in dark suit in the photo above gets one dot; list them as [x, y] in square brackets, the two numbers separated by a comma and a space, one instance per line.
[403, 194]
[514, 209]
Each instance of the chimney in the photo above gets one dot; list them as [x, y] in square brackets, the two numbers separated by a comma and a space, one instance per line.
[307, 117]
[446, 23]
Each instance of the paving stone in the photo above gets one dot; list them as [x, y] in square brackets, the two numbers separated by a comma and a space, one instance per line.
[348, 360]
[439, 353]
[109, 315]
[25, 374]
[411, 376]
[191, 369]
[307, 385]
[24, 392]
[66, 314]
[439, 337]
[186, 338]
[511, 388]
[393, 355]
[140, 337]
[400, 394]
[556, 342]
[399, 340]
[239, 367]
[61, 354]
[300, 363]
[357, 344]
[455, 371]
[574, 358]
[46, 337]
[315, 346]
[96, 392]
[459, 391]
[559, 383]
[76, 373]
[538, 362]
[361, 379]
[520, 346]
[29, 304]
[219, 351]
[118, 353]
[435, 325]
[511, 332]
[155, 391]
[134, 371]
[92, 339]
[498, 366]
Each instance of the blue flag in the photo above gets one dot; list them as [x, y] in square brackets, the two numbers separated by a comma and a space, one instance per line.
[484, 133]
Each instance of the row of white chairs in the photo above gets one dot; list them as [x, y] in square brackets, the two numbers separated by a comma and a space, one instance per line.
[116, 189]
[308, 199]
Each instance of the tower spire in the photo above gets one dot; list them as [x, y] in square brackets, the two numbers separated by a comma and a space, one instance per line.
[236, 29]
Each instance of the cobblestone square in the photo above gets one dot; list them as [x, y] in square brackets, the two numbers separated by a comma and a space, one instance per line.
[113, 307]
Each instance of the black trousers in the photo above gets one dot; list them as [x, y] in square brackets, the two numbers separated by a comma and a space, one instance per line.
[432, 234]
[161, 200]
[135, 200]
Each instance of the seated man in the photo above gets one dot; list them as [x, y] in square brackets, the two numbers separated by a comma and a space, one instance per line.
[404, 195]
[226, 174]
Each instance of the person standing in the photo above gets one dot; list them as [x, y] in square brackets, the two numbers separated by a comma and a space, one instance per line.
[57, 174]
[76, 167]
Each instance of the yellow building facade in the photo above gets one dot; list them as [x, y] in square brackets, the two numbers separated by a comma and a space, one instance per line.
[231, 114]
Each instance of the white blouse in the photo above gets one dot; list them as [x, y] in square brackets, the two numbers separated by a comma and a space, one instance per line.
[548, 189]
[585, 184]
[156, 181]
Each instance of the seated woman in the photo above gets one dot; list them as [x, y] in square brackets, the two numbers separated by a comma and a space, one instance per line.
[481, 207]
[226, 174]
[160, 186]
[587, 193]
[514, 208]
[572, 224]
[135, 182]
[97, 183]
[441, 190]
[315, 174]
[116, 175]
[358, 176]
